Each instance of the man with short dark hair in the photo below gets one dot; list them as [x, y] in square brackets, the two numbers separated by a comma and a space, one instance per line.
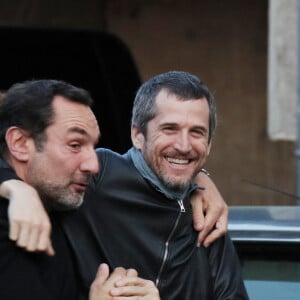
[47, 137]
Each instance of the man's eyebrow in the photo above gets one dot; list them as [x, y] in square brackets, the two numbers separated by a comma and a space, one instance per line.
[201, 127]
[82, 132]
[79, 130]
[168, 124]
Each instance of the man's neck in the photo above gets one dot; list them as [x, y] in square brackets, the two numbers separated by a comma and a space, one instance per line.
[18, 167]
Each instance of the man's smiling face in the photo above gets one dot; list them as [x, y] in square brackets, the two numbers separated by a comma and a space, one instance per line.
[176, 142]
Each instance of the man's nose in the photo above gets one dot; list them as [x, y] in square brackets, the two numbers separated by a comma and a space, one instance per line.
[183, 143]
[90, 163]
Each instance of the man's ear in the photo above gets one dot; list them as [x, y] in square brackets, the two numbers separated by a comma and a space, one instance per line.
[19, 143]
[137, 138]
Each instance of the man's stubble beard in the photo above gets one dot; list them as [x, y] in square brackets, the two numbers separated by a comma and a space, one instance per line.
[173, 185]
[55, 195]
[57, 198]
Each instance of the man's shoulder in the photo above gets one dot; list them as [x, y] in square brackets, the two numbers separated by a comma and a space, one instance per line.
[105, 151]
[105, 154]
[113, 166]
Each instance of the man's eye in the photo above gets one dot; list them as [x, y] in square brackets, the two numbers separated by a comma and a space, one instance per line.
[168, 129]
[199, 133]
[75, 146]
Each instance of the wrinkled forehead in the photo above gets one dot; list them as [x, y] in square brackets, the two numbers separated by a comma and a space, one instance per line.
[167, 98]
[68, 114]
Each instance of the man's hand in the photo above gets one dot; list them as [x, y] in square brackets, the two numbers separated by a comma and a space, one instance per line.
[121, 284]
[210, 212]
[135, 288]
[103, 283]
[29, 224]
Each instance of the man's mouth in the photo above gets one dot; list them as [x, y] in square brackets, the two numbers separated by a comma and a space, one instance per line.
[178, 161]
[80, 187]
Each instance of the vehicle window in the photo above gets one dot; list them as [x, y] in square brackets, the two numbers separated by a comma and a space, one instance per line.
[272, 279]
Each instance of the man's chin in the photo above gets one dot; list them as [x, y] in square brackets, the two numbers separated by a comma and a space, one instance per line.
[64, 204]
[176, 185]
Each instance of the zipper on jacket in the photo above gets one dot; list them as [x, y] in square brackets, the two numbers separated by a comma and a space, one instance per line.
[182, 210]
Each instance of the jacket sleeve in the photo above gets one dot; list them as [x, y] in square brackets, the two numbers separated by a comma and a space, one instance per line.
[19, 277]
[226, 271]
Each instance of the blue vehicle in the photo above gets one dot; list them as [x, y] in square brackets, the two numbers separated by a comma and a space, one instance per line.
[267, 239]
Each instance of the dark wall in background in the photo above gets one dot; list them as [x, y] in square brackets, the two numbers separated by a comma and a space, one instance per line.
[96, 61]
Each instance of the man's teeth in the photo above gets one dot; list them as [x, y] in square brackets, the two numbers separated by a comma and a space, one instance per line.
[177, 161]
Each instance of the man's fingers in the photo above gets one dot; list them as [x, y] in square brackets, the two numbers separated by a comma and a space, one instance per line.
[39, 239]
[222, 223]
[121, 284]
[198, 211]
[50, 250]
[117, 274]
[44, 241]
[131, 273]
[135, 287]
[215, 234]
[29, 224]
[102, 274]
[14, 230]
[97, 288]
[219, 230]
[33, 239]
[207, 228]
[127, 291]
[215, 226]
[23, 237]
[32, 236]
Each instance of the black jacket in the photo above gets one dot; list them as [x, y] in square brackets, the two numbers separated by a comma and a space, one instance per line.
[125, 222]
[35, 276]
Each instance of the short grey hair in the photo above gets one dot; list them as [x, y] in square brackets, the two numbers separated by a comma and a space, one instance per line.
[182, 84]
